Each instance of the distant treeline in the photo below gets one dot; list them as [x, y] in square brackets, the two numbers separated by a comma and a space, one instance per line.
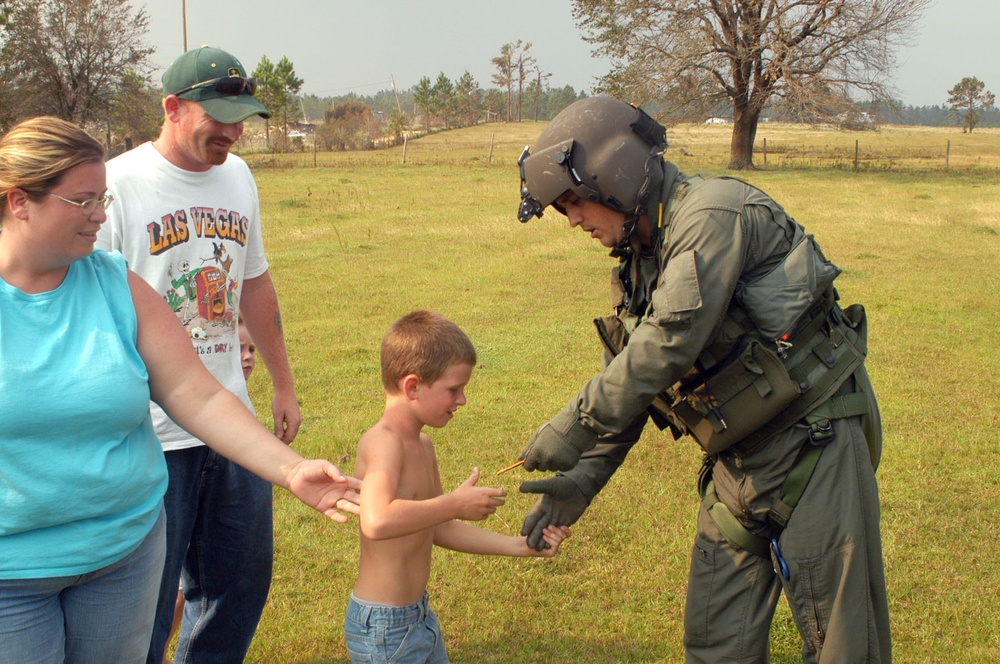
[492, 102]
[926, 116]
[552, 101]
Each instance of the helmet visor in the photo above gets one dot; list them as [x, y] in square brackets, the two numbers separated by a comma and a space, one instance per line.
[546, 176]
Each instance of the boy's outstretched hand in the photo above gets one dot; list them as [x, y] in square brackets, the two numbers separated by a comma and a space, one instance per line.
[475, 503]
[553, 536]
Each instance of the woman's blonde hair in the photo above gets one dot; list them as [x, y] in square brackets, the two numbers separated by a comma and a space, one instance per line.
[36, 153]
[423, 343]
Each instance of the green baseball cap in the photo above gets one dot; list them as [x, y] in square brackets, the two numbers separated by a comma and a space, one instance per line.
[216, 80]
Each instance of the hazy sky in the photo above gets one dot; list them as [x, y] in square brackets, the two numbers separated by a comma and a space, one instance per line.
[341, 46]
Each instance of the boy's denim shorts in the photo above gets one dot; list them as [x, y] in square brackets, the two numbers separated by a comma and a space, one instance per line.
[385, 634]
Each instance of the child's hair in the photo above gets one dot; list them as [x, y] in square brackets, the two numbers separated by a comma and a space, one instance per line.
[423, 343]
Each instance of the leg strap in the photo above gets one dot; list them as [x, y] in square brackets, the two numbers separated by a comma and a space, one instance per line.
[820, 435]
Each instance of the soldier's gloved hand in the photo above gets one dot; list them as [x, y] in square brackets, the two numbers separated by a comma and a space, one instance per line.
[561, 504]
[558, 444]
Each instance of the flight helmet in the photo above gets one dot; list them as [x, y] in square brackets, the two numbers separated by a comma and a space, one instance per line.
[601, 149]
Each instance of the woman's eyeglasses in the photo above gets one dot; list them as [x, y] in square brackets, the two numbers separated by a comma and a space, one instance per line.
[88, 206]
[226, 85]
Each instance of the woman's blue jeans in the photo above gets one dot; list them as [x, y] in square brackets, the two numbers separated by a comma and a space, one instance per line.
[96, 618]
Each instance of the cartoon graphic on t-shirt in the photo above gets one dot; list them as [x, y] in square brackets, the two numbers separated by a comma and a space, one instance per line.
[204, 298]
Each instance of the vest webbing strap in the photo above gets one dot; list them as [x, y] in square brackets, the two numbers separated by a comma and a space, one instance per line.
[847, 405]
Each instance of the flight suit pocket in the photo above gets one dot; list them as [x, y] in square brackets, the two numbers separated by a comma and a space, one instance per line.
[681, 286]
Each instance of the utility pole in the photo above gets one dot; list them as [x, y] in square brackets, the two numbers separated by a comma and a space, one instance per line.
[184, 23]
[398, 107]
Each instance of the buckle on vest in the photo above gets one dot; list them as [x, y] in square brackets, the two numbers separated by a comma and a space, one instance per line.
[821, 432]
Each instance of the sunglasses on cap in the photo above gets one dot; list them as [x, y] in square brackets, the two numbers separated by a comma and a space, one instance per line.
[226, 85]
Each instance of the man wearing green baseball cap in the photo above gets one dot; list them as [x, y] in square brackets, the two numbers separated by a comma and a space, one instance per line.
[187, 220]
[217, 81]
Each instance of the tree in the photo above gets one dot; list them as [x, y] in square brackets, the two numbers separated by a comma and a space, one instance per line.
[560, 98]
[348, 126]
[687, 55]
[135, 114]
[443, 96]
[277, 87]
[493, 102]
[289, 86]
[423, 97]
[69, 57]
[523, 64]
[536, 87]
[966, 98]
[468, 99]
[268, 90]
[397, 125]
[513, 65]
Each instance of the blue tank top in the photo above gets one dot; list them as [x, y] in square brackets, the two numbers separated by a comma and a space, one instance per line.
[82, 475]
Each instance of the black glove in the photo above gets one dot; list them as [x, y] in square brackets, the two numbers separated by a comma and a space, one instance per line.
[558, 444]
[561, 504]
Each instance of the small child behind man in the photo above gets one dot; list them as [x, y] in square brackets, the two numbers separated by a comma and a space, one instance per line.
[426, 363]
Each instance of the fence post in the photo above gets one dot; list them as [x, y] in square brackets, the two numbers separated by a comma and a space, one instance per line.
[855, 155]
[404, 149]
[765, 152]
[947, 157]
[491, 147]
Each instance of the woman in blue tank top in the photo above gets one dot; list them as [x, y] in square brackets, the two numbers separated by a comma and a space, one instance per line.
[84, 345]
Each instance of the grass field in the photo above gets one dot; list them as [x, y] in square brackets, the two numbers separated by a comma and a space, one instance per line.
[360, 238]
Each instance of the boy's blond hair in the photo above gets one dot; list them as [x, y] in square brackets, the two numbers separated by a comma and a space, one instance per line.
[423, 343]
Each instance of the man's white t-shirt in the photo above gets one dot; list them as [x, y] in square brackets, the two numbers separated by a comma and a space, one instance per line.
[194, 237]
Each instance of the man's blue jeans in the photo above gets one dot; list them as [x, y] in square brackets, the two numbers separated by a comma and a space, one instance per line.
[220, 543]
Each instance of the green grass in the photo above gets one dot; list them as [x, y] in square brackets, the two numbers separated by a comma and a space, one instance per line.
[362, 238]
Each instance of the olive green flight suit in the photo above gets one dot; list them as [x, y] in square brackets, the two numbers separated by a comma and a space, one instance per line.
[723, 234]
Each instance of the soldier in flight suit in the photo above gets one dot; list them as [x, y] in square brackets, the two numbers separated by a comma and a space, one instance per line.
[727, 329]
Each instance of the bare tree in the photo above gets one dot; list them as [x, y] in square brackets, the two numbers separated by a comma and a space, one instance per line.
[966, 98]
[69, 57]
[523, 64]
[688, 55]
[536, 87]
[504, 76]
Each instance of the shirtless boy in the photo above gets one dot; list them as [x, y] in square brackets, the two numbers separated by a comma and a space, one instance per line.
[426, 363]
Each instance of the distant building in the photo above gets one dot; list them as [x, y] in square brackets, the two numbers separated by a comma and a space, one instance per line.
[717, 121]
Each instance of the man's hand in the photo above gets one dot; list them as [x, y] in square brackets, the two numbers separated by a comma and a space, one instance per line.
[287, 416]
[561, 504]
[558, 444]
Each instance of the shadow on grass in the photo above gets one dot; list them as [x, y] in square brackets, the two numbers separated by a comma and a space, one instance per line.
[564, 649]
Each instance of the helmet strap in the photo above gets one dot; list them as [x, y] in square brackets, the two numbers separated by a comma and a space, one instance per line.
[648, 199]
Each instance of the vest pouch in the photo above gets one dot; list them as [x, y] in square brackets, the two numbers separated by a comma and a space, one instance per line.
[777, 301]
[736, 400]
[612, 332]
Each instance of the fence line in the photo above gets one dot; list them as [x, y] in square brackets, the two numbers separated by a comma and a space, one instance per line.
[769, 153]
[858, 157]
